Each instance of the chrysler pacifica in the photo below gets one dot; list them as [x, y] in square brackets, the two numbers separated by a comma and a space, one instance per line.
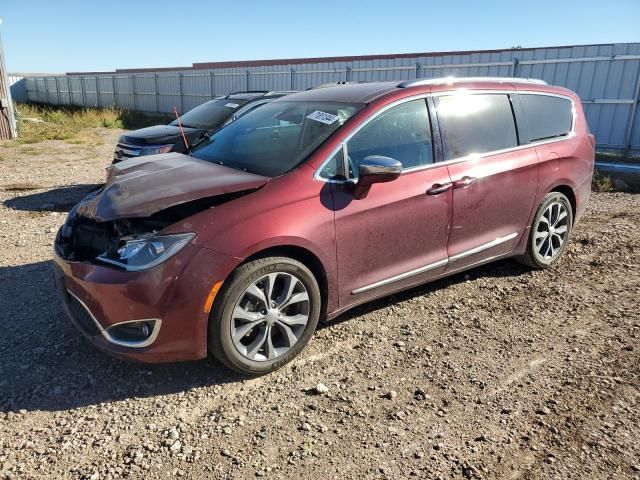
[315, 203]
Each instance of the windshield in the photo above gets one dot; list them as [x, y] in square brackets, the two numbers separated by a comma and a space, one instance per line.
[211, 114]
[275, 138]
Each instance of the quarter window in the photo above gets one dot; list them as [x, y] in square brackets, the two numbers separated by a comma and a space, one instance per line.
[402, 133]
[476, 123]
[333, 169]
[547, 117]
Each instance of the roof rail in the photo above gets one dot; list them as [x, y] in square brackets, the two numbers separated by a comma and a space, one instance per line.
[450, 80]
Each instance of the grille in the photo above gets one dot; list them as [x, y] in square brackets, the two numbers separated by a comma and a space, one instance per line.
[82, 316]
[124, 151]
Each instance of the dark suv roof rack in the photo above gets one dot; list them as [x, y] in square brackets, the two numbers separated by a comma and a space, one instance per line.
[240, 92]
[281, 92]
[260, 93]
[331, 84]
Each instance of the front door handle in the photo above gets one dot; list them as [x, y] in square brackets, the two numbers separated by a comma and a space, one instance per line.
[438, 188]
[464, 182]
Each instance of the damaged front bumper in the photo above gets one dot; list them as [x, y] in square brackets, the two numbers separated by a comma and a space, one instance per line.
[166, 303]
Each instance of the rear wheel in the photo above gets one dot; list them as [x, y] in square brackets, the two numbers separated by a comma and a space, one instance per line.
[550, 231]
[265, 315]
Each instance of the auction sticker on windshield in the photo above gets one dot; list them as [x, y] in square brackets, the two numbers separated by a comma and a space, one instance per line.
[323, 117]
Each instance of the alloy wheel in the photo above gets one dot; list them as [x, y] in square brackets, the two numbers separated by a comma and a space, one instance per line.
[270, 316]
[551, 231]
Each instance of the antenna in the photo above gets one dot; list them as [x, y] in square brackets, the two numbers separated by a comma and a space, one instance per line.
[184, 138]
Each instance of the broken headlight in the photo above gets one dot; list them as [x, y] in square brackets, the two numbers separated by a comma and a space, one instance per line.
[145, 251]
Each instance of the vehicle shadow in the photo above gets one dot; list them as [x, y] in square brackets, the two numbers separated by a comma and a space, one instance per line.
[59, 199]
[45, 364]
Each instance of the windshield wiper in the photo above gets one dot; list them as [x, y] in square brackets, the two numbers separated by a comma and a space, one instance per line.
[205, 136]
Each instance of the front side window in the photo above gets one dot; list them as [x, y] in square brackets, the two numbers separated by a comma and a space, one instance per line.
[275, 138]
[547, 117]
[476, 123]
[402, 133]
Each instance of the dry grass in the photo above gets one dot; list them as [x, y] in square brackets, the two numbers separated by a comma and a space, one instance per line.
[37, 122]
[602, 183]
[30, 150]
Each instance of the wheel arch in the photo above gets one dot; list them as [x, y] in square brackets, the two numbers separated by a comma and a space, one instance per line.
[304, 256]
[568, 192]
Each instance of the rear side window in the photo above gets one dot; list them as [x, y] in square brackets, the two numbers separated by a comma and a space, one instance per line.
[476, 123]
[547, 117]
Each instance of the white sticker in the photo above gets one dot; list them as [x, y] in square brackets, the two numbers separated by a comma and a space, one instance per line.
[231, 105]
[323, 117]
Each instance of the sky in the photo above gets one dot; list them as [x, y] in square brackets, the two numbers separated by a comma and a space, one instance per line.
[57, 36]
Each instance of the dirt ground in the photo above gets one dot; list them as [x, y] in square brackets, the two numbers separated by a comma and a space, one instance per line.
[498, 373]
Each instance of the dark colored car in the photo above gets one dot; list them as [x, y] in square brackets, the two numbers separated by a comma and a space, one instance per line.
[318, 202]
[196, 123]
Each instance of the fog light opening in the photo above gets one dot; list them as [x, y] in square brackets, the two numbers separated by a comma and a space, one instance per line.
[137, 333]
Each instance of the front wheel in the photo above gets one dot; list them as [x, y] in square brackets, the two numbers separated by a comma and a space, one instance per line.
[550, 231]
[265, 315]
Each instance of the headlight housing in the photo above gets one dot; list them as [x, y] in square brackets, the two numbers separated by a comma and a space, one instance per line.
[155, 149]
[142, 252]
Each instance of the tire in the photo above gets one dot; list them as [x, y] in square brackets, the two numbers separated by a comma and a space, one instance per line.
[240, 320]
[546, 245]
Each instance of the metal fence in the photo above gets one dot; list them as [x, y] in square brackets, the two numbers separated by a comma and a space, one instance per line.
[7, 116]
[18, 87]
[607, 78]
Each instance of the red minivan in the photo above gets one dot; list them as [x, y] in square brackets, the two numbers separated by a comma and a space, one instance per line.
[318, 202]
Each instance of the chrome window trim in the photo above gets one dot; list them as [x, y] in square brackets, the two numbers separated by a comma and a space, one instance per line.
[105, 332]
[456, 160]
[439, 263]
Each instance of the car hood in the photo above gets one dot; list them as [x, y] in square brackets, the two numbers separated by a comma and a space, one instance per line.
[159, 135]
[141, 187]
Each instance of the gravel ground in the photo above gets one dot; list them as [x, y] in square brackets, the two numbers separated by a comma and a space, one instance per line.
[497, 373]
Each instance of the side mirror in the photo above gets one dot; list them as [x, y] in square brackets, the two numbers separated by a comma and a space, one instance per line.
[375, 169]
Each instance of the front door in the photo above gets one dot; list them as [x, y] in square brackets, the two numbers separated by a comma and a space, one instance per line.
[397, 235]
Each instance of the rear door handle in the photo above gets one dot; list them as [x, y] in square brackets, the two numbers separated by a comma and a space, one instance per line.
[438, 188]
[464, 182]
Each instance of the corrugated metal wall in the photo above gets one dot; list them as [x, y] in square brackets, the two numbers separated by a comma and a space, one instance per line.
[607, 78]
[17, 87]
[7, 117]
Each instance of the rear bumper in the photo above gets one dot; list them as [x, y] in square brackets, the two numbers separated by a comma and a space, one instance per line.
[174, 294]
